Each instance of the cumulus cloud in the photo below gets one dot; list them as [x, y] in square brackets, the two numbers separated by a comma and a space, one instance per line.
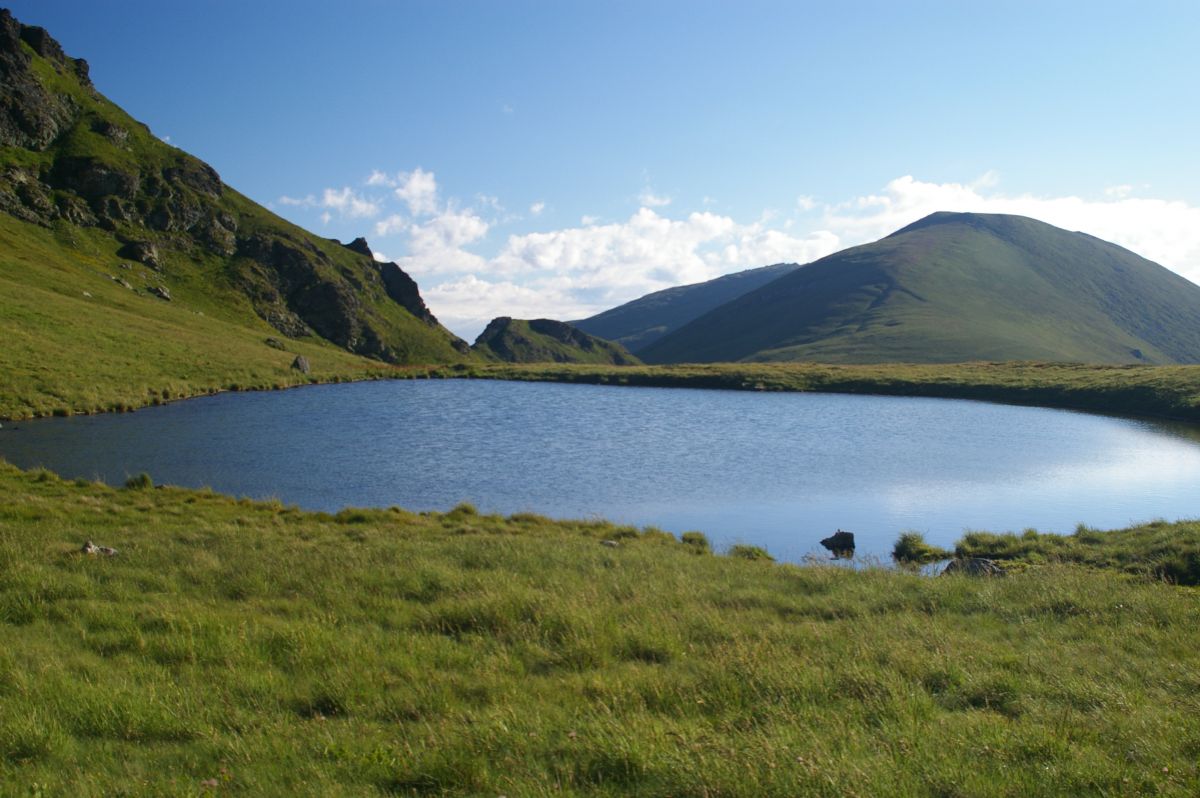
[418, 189]
[577, 271]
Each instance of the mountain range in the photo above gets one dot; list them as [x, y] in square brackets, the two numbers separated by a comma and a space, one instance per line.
[951, 287]
[129, 268]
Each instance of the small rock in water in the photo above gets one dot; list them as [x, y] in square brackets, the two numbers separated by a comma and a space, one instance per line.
[841, 543]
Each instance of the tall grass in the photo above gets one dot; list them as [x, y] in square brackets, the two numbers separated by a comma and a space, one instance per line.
[248, 648]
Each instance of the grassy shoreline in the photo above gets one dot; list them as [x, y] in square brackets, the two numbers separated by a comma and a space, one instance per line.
[1164, 392]
[249, 648]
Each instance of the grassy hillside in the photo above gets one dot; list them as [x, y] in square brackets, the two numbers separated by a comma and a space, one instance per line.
[953, 288]
[129, 270]
[250, 649]
[546, 341]
[639, 323]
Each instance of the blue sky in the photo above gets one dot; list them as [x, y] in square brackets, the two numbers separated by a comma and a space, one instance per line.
[557, 158]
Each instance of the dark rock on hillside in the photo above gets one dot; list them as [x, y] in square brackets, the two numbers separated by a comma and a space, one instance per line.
[143, 252]
[30, 116]
[300, 364]
[402, 290]
[360, 246]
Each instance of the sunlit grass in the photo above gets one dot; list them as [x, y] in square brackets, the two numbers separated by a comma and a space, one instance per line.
[250, 648]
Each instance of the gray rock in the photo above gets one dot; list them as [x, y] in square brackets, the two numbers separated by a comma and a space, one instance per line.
[300, 364]
[91, 548]
[612, 544]
[275, 343]
[974, 566]
[143, 252]
[160, 291]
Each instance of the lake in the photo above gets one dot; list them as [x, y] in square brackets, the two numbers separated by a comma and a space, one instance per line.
[779, 470]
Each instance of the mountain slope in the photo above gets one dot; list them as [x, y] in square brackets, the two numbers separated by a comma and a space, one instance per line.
[107, 230]
[643, 321]
[546, 341]
[957, 287]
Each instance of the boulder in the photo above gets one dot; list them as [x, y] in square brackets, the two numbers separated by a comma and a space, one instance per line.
[143, 252]
[300, 364]
[159, 291]
[841, 543]
[974, 566]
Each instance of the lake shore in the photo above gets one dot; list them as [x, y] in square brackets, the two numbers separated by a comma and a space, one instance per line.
[1164, 392]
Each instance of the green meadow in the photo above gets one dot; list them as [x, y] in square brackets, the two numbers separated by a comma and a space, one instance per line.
[247, 648]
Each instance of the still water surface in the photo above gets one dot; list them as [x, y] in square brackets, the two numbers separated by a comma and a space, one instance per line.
[772, 469]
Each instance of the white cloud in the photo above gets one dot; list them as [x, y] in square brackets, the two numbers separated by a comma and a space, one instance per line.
[651, 200]
[588, 221]
[391, 225]
[418, 189]
[536, 208]
[349, 204]
[378, 178]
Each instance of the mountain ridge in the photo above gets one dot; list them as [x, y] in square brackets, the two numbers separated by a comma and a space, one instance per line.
[955, 287]
[640, 322]
[125, 206]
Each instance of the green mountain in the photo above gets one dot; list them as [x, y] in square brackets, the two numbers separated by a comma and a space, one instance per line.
[957, 287]
[130, 263]
[546, 340]
[643, 321]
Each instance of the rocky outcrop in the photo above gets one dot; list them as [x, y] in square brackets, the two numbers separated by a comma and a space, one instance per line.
[169, 209]
[30, 116]
[546, 340]
[402, 290]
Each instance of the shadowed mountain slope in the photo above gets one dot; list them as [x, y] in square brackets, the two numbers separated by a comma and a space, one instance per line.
[957, 287]
[639, 323]
[544, 341]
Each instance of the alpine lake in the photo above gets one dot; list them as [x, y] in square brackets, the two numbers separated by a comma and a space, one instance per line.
[777, 470]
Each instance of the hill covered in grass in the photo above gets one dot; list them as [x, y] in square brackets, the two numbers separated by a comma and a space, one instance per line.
[957, 287]
[637, 324]
[127, 266]
[546, 341]
[248, 648]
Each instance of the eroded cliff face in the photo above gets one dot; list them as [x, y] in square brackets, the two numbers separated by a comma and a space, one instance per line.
[68, 156]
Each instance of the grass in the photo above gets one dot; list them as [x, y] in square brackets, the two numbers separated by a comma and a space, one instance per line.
[247, 648]
[911, 547]
[1160, 550]
[1153, 391]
